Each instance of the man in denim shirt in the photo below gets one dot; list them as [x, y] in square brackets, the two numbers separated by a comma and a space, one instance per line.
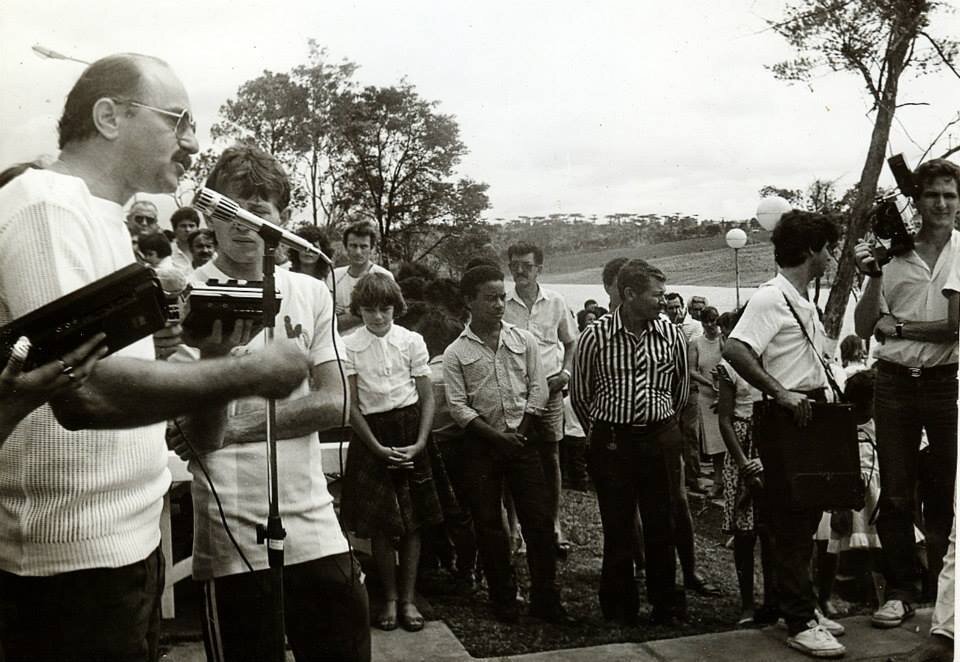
[495, 387]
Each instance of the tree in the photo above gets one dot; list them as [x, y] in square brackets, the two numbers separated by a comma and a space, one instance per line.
[289, 116]
[399, 157]
[878, 40]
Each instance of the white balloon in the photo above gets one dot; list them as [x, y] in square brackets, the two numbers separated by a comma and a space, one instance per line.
[736, 238]
[770, 210]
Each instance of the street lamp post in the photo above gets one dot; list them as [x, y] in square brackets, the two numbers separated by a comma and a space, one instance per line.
[736, 239]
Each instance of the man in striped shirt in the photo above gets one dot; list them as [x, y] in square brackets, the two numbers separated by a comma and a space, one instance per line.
[630, 380]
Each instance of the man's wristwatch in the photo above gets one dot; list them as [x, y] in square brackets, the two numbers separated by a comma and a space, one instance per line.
[566, 373]
[899, 328]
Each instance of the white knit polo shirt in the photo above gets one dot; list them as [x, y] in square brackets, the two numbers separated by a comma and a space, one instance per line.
[85, 499]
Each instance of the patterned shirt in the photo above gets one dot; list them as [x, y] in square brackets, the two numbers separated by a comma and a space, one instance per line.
[624, 378]
[499, 387]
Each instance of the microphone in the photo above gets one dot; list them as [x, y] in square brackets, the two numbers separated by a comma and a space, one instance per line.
[172, 282]
[223, 208]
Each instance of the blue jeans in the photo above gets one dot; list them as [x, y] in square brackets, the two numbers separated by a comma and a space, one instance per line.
[487, 470]
[904, 406]
[631, 468]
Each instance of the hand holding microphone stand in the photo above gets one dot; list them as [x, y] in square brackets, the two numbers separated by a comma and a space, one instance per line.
[271, 533]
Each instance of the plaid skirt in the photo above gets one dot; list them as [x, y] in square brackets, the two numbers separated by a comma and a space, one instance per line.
[377, 500]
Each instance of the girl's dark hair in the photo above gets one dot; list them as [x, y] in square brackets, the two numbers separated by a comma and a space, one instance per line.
[799, 232]
[851, 349]
[438, 329]
[859, 388]
[316, 236]
[710, 313]
[376, 289]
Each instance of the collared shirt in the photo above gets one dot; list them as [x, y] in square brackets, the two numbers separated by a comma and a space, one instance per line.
[624, 378]
[499, 387]
[549, 320]
[342, 283]
[386, 368]
[769, 328]
[912, 291]
[182, 262]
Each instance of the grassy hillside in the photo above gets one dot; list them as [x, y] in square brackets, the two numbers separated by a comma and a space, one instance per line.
[701, 261]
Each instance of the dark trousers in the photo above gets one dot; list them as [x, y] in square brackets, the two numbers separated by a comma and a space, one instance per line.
[522, 472]
[103, 614]
[689, 421]
[904, 405]
[457, 528]
[791, 529]
[631, 468]
[326, 613]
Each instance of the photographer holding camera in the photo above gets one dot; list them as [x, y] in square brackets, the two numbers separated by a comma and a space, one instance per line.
[903, 307]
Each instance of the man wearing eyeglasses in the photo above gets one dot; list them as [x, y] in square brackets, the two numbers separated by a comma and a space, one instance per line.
[544, 313]
[142, 218]
[82, 478]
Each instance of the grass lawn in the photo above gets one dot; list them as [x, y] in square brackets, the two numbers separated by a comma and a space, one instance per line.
[471, 619]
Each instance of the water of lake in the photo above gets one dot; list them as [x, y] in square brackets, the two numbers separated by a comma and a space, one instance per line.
[722, 298]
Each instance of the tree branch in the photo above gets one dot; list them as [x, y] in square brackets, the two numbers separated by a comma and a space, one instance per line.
[939, 50]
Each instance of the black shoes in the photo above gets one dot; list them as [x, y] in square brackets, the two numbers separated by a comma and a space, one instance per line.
[552, 612]
[507, 612]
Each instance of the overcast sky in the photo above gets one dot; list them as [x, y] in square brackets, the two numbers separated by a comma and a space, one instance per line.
[588, 107]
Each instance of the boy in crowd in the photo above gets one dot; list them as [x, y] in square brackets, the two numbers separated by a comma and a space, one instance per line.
[496, 387]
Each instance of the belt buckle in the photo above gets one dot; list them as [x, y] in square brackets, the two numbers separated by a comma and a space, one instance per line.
[915, 372]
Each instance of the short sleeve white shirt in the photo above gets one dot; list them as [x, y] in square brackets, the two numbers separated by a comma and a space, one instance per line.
[768, 327]
[238, 471]
[549, 320]
[912, 291]
[386, 368]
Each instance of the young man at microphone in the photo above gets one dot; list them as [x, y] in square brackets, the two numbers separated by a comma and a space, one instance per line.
[325, 601]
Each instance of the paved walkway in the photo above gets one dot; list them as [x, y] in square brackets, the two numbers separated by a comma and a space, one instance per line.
[438, 644]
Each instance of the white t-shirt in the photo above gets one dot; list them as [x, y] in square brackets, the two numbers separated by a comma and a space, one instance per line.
[768, 327]
[239, 471]
[344, 283]
[386, 368]
[71, 500]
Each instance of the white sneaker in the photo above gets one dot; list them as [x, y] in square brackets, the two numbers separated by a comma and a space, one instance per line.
[829, 624]
[815, 641]
[891, 614]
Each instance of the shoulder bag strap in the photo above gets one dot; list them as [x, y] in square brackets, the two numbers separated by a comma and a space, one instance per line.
[826, 369]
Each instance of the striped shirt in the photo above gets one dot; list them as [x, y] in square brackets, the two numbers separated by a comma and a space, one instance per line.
[624, 378]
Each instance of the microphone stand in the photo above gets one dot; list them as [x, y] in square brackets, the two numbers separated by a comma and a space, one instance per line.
[273, 533]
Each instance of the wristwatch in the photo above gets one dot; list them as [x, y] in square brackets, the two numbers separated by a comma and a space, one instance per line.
[899, 328]
[566, 372]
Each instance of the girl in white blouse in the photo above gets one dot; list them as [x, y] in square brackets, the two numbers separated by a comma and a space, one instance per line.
[389, 492]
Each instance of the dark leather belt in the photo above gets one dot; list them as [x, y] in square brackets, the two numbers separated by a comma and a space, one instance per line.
[933, 372]
[645, 428]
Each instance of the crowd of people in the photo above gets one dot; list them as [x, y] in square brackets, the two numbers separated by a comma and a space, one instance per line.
[469, 404]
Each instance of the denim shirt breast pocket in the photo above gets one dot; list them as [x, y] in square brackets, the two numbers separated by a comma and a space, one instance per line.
[476, 371]
[513, 363]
